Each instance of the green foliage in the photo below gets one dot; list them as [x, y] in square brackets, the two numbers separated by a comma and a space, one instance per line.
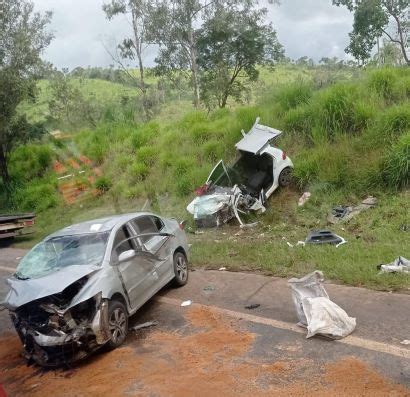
[383, 81]
[30, 161]
[144, 134]
[139, 171]
[147, 155]
[293, 95]
[38, 196]
[103, 184]
[396, 165]
[394, 121]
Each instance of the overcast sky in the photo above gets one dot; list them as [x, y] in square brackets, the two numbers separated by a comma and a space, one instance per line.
[314, 28]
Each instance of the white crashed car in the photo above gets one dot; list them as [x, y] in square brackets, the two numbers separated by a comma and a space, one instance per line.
[259, 170]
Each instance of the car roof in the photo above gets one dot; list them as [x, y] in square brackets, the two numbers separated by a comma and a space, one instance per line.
[97, 225]
[257, 138]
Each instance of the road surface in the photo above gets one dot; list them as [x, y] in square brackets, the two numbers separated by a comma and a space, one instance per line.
[216, 347]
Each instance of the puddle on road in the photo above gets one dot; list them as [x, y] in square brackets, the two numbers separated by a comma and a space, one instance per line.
[208, 357]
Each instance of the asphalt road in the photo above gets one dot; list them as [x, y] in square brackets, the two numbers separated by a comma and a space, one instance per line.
[217, 347]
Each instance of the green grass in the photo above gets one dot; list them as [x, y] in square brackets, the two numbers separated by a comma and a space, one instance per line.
[347, 136]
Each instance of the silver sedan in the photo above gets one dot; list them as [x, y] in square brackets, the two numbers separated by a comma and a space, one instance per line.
[74, 291]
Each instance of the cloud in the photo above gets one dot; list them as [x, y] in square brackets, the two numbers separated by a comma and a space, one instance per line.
[314, 28]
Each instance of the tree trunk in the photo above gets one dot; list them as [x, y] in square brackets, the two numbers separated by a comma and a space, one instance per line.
[4, 171]
[401, 39]
[194, 68]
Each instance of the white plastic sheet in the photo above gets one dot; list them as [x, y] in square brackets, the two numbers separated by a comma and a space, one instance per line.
[326, 318]
[316, 311]
[399, 265]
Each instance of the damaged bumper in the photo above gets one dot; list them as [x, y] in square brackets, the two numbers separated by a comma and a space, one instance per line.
[52, 336]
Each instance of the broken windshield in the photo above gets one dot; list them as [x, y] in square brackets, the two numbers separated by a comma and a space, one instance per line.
[59, 252]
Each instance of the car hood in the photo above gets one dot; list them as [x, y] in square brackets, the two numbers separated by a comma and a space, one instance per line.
[24, 291]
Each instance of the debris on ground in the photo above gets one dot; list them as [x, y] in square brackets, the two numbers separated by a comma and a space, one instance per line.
[399, 265]
[324, 237]
[186, 303]
[144, 325]
[245, 186]
[405, 342]
[303, 198]
[289, 244]
[209, 288]
[252, 306]
[316, 311]
[343, 213]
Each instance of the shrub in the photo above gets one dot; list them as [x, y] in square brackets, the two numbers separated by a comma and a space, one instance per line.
[293, 95]
[200, 132]
[396, 165]
[144, 134]
[103, 184]
[182, 166]
[383, 82]
[306, 169]
[139, 171]
[394, 121]
[298, 120]
[213, 150]
[147, 155]
[38, 196]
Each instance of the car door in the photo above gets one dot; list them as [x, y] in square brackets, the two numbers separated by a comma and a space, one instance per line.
[158, 245]
[135, 271]
[219, 176]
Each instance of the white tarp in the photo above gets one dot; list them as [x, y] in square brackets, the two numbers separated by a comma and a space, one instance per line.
[316, 311]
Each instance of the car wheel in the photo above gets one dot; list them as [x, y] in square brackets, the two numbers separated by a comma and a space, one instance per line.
[118, 323]
[180, 269]
[285, 177]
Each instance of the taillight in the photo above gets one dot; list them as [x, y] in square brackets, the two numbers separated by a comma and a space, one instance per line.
[283, 155]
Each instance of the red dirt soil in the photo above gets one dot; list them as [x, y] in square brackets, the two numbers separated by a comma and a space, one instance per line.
[207, 357]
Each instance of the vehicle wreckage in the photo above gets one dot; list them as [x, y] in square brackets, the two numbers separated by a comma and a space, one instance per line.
[74, 291]
[260, 168]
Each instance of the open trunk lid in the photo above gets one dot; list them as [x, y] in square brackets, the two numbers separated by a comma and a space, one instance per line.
[257, 138]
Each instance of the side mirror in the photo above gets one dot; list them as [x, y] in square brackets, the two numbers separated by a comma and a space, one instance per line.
[126, 255]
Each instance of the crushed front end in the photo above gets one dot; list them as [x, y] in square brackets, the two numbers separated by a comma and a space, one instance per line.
[54, 334]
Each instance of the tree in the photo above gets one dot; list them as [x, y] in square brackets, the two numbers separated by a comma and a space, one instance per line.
[132, 48]
[371, 20]
[23, 37]
[230, 46]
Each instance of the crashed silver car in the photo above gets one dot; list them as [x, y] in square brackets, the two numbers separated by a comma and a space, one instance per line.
[259, 170]
[74, 291]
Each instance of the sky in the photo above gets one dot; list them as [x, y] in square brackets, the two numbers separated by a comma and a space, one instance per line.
[82, 34]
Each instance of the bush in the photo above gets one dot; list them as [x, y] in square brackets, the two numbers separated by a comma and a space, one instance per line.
[145, 134]
[103, 184]
[298, 120]
[394, 121]
[213, 150]
[200, 132]
[147, 155]
[396, 165]
[139, 171]
[38, 196]
[30, 161]
[383, 82]
[293, 95]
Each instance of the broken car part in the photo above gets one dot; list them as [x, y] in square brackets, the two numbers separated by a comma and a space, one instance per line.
[145, 325]
[399, 265]
[316, 311]
[345, 213]
[252, 306]
[72, 293]
[324, 237]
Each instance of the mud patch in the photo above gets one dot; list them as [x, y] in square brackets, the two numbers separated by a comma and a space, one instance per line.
[207, 356]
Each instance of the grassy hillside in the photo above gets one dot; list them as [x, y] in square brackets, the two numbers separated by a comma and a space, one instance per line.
[347, 140]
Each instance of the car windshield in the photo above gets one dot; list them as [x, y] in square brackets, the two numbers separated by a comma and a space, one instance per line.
[59, 252]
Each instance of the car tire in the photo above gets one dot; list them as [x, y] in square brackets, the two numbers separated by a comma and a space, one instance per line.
[180, 269]
[118, 323]
[285, 177]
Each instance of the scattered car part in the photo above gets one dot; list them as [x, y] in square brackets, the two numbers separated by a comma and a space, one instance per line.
[186, 303]
[344, 213]
[316, 311]
[399, 265]
[324, 237]
[144, 325]
[252, 306]
[246, 185]
[74, 291]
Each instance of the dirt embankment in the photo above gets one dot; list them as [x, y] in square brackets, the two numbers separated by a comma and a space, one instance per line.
[209, 356]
